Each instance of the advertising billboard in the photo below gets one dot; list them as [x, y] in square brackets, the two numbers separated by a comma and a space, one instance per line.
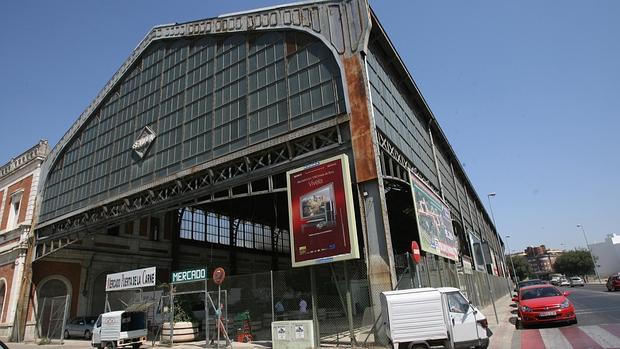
[321, 215]
[130, 279]
[434, 221]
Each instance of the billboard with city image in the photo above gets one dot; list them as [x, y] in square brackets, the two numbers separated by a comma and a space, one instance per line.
[434, 221]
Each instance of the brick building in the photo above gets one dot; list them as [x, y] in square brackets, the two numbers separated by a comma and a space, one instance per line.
[19, 179]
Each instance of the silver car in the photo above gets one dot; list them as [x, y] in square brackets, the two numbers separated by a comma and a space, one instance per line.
[81, 326]
[576, 281]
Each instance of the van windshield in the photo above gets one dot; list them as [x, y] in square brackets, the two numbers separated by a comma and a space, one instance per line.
[132, 322]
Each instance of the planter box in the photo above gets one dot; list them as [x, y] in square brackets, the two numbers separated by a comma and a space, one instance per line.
[183, 332]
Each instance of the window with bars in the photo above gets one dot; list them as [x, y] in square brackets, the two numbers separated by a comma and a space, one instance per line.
[192, 224]
[214, 228]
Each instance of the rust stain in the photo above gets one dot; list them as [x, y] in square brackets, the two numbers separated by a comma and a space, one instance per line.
[361, 136]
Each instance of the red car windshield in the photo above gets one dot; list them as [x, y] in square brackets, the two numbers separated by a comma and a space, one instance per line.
[540, 292]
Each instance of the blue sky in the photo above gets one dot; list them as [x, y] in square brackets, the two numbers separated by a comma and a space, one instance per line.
[528, 92]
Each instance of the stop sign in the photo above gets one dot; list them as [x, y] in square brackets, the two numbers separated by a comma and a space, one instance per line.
[415, 252]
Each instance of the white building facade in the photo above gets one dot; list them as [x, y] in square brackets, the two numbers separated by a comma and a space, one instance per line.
[608, 255]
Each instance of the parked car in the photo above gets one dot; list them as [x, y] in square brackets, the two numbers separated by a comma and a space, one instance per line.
[541, 304]
[576, 281]
[529, 283]
[613, 283]
[564, 282]
[80, 327]
[555, 281]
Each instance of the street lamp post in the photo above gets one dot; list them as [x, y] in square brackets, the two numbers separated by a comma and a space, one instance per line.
[492, 215]
[514, 273]
[589, 250]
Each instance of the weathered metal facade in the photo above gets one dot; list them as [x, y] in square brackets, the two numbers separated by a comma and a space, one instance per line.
[233, 103]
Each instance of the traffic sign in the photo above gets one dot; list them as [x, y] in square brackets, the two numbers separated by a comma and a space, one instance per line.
[415, 252]
[218, 275]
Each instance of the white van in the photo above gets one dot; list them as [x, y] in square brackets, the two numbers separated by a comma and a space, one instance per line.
[430, 317]
[119, 329]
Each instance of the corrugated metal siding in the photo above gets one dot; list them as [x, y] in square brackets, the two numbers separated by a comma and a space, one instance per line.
[204, 98]
[397, 120]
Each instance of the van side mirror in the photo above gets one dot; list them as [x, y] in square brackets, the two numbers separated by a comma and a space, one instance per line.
[566, 293]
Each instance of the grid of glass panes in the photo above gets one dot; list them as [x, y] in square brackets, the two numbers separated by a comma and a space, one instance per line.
[313, 95]
[397, 119]
[199, 225]
[229, 106]
[199, 102]
[267, 92]
[194, 94]
[192, 224]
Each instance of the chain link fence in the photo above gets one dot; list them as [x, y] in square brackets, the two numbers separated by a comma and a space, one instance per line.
[433, 271]
[51, 319]
[248, 304]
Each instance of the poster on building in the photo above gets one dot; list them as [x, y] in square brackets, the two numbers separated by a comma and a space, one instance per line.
[130, 279]
[476, 248]
[321, 216]
[434, 221]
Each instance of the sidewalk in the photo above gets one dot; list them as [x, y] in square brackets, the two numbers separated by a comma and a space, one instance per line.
[502, 332]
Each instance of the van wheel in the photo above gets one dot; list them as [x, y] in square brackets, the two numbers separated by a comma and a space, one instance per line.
[419, 346]
[136, 345]
[66, 334]
[87, 334]
[110, 345]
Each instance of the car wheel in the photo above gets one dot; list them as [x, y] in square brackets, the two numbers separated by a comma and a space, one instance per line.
[66, 334]
[110, 345]
[519, 324]
[87, 334]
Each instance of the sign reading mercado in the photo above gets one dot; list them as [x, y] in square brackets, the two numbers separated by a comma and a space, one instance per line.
[130, 279]
[189, 275]
[434, 221]
[321, 216]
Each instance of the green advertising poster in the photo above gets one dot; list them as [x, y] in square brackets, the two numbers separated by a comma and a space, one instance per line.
[434, 221]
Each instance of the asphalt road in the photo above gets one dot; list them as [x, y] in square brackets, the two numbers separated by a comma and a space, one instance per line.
[594, 305]
[598, 316]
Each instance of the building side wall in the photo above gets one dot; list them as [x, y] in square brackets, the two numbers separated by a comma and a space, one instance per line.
[409, 131]
[608, 257]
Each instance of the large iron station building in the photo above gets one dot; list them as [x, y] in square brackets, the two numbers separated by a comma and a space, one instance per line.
[181, 160]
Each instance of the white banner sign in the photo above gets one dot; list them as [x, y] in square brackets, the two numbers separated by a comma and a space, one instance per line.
[130, 279]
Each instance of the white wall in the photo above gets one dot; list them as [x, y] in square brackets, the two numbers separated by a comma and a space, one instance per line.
[608, 254]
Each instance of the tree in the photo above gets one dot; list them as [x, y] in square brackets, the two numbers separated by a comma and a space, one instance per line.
[577, 262]
[522, 267]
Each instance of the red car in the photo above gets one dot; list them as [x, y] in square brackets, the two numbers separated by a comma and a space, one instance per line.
[613, 283]
[541, 304]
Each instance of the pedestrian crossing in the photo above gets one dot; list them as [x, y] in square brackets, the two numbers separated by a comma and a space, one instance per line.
[605, 336]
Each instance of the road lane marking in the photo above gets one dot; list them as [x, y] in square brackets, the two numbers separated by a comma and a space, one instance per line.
[598, 310]
[612, 328]
[531, 339]
[553, 338]
[579, 339]
[601, 336]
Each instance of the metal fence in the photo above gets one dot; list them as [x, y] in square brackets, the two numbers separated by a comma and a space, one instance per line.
[341, 303]
[433, 271]
[51, 318]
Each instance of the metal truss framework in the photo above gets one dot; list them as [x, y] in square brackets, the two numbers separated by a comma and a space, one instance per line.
[220, 182]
